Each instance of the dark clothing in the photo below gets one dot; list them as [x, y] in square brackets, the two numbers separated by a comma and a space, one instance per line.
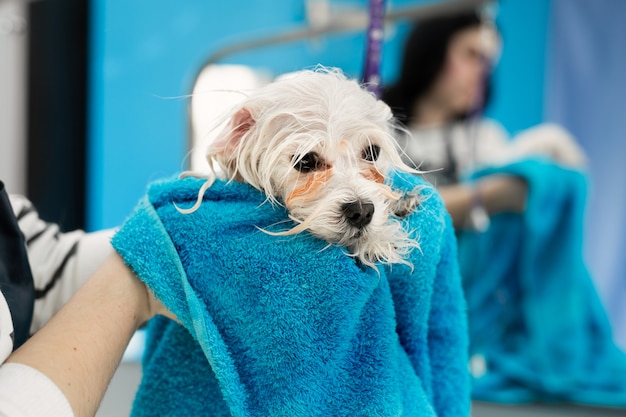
[16, 281]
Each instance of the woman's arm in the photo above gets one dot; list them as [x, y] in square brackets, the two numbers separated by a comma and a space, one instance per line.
[82, 345]
[497, 194]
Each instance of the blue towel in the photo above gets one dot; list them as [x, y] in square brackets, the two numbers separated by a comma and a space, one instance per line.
[283, 326]
[534, 314]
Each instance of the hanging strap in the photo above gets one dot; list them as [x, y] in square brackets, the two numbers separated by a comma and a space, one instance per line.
[371, 73]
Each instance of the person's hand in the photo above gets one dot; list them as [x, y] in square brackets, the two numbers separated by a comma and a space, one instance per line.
[496, 193]
[147, 305]
[123, 284]
[503, 193]
[156, 307]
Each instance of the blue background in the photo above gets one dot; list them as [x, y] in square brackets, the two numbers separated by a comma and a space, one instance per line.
[586, 93]
[563, 60]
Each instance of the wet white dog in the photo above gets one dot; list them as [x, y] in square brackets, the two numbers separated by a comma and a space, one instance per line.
[323, 147]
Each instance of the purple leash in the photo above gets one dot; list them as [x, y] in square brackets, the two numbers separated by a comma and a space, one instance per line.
[371, 74]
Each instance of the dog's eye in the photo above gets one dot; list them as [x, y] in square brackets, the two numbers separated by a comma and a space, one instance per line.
[371, 153]
[309, 162]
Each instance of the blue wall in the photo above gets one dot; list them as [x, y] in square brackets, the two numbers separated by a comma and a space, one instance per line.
[586, 93]
[518, 99]
[145, 56]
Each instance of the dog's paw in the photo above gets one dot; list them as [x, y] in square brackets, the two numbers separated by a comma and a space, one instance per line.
[405, 205]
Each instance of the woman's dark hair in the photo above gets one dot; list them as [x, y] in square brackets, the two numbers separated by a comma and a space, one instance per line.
[424, 57]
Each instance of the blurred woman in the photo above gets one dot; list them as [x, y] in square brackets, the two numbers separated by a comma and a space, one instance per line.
[443, 83]
[538, 331]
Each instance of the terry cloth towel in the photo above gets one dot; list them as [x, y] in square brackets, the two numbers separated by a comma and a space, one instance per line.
[537, 327]
[284, 326]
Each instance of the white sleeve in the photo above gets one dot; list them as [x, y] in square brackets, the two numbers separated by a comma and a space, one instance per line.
[6, 329]
[492, 144]
[477, 144]
[59, 271]
[549, 140]
[26, 392]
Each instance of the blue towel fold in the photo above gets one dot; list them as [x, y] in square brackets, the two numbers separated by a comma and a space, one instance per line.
[534, 314]
[283, 326]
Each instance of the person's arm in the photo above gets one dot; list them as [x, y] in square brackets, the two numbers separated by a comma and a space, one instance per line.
[82, 345]
[497, 194]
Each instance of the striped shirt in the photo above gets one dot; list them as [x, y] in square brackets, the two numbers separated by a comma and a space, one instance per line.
[60, 264]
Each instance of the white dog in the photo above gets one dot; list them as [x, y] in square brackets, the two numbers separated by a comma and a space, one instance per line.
[323, 147]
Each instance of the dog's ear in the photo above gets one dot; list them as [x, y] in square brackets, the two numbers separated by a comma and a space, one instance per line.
[227, 142]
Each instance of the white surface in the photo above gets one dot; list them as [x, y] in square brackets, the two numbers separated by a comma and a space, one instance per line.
[13, 44]
[118, 400]
[215, 93]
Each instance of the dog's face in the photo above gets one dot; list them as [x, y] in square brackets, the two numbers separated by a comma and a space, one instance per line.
[323, 147]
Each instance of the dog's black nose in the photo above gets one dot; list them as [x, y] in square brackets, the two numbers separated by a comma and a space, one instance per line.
[358, 213]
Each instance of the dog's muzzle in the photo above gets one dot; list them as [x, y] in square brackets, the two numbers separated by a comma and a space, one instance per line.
[358, 213]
